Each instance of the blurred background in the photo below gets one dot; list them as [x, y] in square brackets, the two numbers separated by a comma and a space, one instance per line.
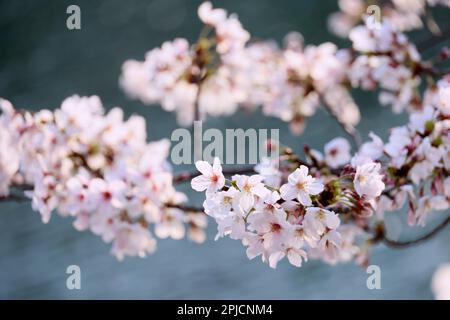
[42, 62]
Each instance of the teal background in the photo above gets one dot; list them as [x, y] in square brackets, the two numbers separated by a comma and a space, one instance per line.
[42, 62]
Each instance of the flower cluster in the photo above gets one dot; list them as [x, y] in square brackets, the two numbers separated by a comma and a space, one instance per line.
[419, 156]
[223, 71]
[404, 15]
[303, 78]
[301, 218]
[271, 212]
[97, 168]
[388, 60]
[206, 76]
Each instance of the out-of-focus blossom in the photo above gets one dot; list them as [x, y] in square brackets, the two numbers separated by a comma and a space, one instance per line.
[440, 283]
[96, 167]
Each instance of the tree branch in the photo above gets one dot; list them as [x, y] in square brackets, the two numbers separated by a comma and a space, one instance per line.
[186, 208]
[408, 243]
[187, 175]
[14, 198]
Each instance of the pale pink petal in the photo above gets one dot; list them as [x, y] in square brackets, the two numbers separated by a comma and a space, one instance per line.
[294, 176]
[315, 188]
[295, 257]
[288, 192]
[260, 191]
[200, 183]
[332, 221]
[274, 258]
[204, 167]
[304, 198]
[303, 170]
[217, 167]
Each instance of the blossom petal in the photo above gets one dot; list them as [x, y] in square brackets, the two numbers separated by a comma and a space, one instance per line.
[304, 198]
[204, 167]
[200, 183]
[288, 192]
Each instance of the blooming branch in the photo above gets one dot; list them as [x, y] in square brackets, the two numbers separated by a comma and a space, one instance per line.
[98, 168]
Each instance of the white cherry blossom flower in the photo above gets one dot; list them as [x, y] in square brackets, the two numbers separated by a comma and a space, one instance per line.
[211, 178]
[250, 188]
[368, 181]
[301, 185]
[337, 152]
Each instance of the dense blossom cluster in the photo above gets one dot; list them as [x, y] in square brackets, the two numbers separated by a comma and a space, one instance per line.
[419, 157]
[301, 79]
[322, 208]
[223, 71]
[173, 74]
[403, 15]
[97, 168]
[310, 215]
[388, 60]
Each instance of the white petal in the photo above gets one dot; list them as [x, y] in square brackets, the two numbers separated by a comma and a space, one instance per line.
[315, 188]
[332, 221]
[295, 257]
[288, 192]
[200, 183]
[274, 258]
[204, 167]
[304, 198]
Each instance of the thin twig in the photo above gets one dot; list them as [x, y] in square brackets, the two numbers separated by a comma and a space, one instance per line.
[407, 243]
[197, 103]
[14, 198]
[185, 208]
[186, 176]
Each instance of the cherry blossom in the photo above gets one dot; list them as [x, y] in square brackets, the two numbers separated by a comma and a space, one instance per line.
[337, 152]
[211, 179]
[97, 168]
[301, 186]
[440, 283]
[368, 181]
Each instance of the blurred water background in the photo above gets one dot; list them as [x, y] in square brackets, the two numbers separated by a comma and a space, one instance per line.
[42, 62]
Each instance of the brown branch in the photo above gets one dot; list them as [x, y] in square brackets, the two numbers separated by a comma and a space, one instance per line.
[197, 103]
[408, 243]
[185, 208]
[186, 176]
[14, 198]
